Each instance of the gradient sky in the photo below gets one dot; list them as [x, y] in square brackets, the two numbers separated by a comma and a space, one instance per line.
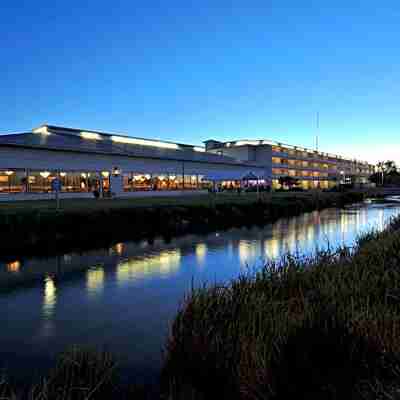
[190, 71]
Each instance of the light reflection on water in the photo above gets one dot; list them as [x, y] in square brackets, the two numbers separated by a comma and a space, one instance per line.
[125, 297]
[49, 297]
[95, 280]
[162, 264]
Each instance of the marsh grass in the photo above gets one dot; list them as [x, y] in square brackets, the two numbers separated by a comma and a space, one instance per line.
[319, 327]
[79, 374]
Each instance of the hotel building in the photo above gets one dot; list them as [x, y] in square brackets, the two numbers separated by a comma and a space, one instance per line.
[83, 161]
[310, 168]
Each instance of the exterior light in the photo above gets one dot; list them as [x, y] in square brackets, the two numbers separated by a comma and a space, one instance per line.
[172, 177]
[83, 175]
[63, 174]
[9, 173]
[44, 174]
[247, 142]
[147, 176]
[42, 129]
[90, 135]
[105, 174]
[144, 142]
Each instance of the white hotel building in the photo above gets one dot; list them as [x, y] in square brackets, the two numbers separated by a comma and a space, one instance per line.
[84, 160]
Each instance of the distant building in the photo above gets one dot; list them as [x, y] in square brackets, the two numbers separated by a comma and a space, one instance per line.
[309, 168]
[83, 161]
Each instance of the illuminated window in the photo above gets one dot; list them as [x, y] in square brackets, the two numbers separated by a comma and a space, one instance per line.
[276, 160]
[75, 181]
[13, 181]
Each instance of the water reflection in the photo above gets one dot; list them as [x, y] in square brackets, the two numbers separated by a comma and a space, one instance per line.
[50, 297]
[95, 280]
[13, 266]
[65, 290]
[201, 252]
[162, 264]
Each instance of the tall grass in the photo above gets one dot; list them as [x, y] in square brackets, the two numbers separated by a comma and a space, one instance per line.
[325, 327]
[80, 374]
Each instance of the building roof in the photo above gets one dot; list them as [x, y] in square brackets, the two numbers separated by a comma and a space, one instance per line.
[50, 137]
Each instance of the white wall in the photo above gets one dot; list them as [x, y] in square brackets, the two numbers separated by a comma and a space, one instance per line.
[60, 160]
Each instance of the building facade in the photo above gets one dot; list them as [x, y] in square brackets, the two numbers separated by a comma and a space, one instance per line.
[308, 168]
[83, 162]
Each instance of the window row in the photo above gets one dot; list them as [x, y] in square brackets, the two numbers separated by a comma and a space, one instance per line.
[305, 164]
[136, 181]
[293, 172]
[17, 181]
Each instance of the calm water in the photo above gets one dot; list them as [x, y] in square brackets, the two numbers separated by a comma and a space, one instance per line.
[124, 298]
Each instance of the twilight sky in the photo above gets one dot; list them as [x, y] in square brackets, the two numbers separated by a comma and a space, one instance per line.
[190, 71]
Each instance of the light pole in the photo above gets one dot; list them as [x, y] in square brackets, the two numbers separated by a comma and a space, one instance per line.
[342, 179]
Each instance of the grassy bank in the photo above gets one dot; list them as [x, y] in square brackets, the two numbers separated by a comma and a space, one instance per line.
[34, 228]
[326, 327]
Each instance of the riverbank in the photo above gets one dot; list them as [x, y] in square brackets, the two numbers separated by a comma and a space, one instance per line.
[322, 327]
[37, 229]
[317, 327]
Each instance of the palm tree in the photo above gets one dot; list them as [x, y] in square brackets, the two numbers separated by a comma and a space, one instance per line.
[390, 166]
[381, 168]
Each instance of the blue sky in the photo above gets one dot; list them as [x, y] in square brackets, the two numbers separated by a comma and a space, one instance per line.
[190, 71]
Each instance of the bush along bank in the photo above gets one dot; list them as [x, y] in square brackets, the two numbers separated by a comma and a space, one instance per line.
[50, 232]
[325, 327]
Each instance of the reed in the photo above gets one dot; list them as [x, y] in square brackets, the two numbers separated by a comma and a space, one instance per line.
[79, 374]
[303, 327]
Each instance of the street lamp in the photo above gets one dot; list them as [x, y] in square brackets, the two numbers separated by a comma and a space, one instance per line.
[343, 177]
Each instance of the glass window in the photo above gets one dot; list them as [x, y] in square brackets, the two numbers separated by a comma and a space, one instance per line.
[76, 181]
[161, 182]
[127, 181]
[173, 182]
[142, 181]
[13, 181]
[276, 160]
[191, 182]
[40, 181]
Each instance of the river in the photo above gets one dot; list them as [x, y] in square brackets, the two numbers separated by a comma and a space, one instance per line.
[124, 298]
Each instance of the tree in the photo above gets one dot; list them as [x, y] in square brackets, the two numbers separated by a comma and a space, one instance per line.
[387, 173]
[389, 167]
